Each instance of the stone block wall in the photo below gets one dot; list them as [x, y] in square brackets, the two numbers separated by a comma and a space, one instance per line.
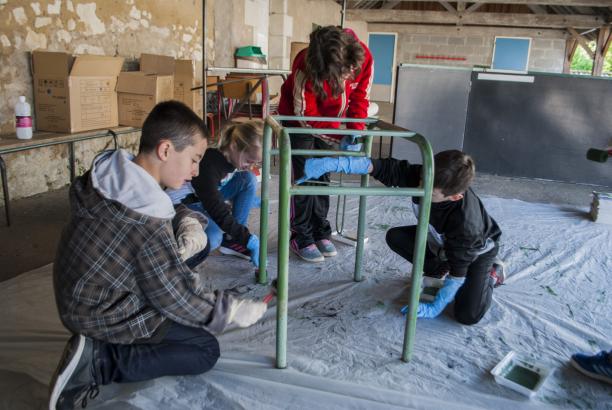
[475, 44]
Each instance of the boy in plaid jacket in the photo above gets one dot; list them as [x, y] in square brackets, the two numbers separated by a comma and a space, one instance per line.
[122, 276]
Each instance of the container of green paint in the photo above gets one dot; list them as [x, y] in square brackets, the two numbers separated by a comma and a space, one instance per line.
[430, 288]
[520, 374]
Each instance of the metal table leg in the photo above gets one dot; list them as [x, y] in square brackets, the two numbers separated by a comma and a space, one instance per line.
[5, 190]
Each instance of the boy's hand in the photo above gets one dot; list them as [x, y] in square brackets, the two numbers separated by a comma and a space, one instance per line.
[315, 167]
[190, 237]
[445, 295]
[246, 312]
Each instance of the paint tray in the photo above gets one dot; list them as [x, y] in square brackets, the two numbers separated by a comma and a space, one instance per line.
[430, 288]
[521, 374]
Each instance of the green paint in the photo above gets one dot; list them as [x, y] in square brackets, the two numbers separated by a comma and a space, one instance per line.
[380, 303]
[593, 343]
[523, 376]
[527, 248]
[571, 312]
[549, 290]
[431, 290]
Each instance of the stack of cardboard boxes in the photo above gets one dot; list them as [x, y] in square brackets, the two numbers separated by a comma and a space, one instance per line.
[75, 94]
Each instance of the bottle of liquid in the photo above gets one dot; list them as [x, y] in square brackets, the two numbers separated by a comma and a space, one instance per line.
[23, 119]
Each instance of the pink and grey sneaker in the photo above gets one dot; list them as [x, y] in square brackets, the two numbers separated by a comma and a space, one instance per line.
[326, 247]
[233, 248]
[498, 272]
[309, 253]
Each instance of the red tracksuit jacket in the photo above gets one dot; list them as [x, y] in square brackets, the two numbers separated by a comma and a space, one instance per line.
[298, 97]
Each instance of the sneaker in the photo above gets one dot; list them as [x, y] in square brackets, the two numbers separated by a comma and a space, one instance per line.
[326, 247]
[231, 247]
[310, 253]
[498, 273]
[73, 381]
[598, 366]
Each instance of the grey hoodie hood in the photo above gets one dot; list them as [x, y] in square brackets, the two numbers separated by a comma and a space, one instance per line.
[115, 176]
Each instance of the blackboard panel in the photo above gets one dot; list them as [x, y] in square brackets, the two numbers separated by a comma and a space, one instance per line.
[433, 102]
[541, 129]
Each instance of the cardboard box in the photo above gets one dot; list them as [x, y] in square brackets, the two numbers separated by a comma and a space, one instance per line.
[157, 64]
[74, 94]
[182, 70]
[183, 82]
[296, 47]
[138, 92]
[239, 89]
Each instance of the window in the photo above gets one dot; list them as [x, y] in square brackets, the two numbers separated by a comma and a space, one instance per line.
[511, 54]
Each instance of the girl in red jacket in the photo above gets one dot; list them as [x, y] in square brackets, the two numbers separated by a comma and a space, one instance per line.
[331, 78]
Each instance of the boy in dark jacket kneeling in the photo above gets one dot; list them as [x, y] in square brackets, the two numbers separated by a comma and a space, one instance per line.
[463, 240]
[122, 276]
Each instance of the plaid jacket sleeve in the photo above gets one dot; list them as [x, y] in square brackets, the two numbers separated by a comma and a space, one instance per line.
[173, 289]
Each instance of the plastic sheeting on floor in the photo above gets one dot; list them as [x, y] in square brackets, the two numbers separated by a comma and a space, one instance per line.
[345, 338]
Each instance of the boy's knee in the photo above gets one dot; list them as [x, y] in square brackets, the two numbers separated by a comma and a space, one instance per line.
[209, 354]
[468, 318]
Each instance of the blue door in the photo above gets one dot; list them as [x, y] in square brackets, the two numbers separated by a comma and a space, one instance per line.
[382, 47]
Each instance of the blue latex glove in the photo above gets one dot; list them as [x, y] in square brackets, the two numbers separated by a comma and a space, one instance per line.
[315, 167]
[253, 246]
[445, 295]
[348, 143]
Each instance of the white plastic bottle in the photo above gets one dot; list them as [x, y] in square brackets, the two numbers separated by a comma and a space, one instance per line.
[23, 119]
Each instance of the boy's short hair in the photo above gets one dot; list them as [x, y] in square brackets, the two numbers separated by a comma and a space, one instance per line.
[173, 121]
[454, 171]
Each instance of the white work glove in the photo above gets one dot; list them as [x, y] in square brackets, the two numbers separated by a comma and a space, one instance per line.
[190, 237]
[246, 312]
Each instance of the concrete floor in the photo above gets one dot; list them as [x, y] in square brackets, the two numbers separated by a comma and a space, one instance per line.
[33, 237]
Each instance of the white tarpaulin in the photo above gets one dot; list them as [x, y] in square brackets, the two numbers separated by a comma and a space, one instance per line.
[345, 338]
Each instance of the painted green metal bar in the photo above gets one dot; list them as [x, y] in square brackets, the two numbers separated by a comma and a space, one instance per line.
[322, 153]
[282, 287]
[286, 190]
[265, 206]
[354, 190]
[419, 247]
[374, 132]
[361, 224]
[325, 119]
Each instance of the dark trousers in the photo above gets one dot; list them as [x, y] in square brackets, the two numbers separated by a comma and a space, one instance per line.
[474, 297]
[181, 350]
[308, 213]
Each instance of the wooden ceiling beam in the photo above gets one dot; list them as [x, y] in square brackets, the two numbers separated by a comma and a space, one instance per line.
[553, 21]
[603, 44]
[582, 41]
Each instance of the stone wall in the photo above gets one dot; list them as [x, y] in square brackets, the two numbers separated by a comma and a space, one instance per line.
[473, 43]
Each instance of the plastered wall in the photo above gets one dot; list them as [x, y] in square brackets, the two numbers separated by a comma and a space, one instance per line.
[112, 27]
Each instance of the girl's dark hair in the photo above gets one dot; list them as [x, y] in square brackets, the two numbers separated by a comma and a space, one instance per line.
[173, 121]
[454, 171]
[332, 54]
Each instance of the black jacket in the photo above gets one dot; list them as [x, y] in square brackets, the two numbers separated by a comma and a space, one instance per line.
[465, 224]
[214, 167]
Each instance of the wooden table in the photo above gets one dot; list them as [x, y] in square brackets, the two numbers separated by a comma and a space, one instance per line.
[10, 144]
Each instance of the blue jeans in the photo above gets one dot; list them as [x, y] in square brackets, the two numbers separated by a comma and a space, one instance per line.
[182, 350]
[241, 190]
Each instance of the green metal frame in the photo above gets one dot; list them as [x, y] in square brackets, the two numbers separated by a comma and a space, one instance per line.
[286, 189]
